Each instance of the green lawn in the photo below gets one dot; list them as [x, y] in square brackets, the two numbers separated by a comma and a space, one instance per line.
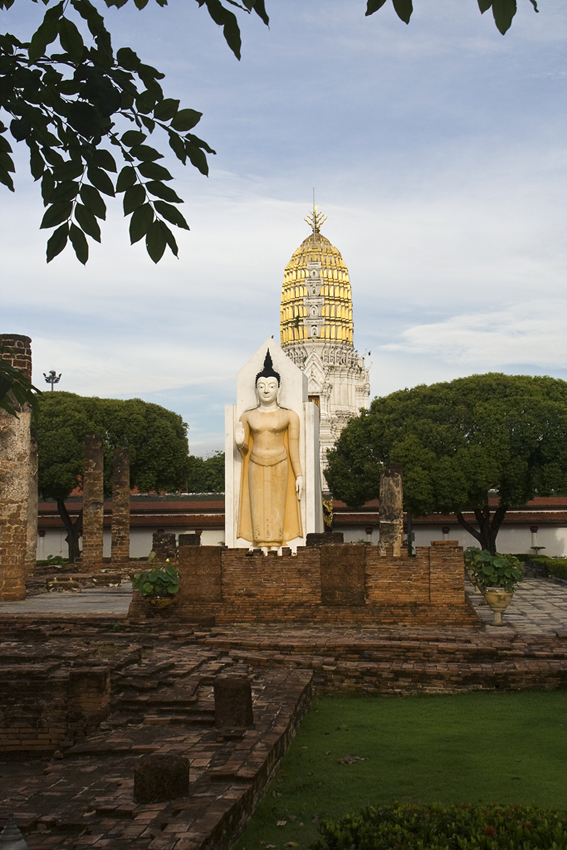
[473, 748]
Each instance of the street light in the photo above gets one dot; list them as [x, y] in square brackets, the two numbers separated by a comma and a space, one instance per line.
[52, 378]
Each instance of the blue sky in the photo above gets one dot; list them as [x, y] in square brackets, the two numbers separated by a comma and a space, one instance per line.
[438, 154]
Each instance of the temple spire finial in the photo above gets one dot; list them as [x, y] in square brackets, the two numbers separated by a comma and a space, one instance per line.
[315, 219]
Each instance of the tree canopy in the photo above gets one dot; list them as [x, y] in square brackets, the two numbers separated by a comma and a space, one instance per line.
[80, 105]
[206, 475]
[459, 442]
[155, 437]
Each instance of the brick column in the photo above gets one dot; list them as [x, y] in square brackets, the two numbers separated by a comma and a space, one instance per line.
[14, 479]
[392, 509]
[31, 549]
[121, 507]
[93, 503]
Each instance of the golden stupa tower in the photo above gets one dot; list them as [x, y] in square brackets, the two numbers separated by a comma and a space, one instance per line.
[316, 331]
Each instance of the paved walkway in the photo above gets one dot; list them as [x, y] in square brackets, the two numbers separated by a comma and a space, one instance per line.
[539, 605]
[108, 601]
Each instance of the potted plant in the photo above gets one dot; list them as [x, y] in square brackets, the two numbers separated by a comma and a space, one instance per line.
[495, 576]
[159, 585]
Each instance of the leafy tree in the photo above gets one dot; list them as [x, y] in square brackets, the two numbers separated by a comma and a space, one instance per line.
[457, 442]
[206, 475]
[156, 438]
[73, 99]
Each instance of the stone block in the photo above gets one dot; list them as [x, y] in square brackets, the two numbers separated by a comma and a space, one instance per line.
[233, 702]
[161, 777]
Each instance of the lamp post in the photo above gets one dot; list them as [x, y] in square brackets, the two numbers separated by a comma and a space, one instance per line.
[52, 378]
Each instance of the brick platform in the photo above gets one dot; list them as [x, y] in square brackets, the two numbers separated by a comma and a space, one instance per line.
[350, 584]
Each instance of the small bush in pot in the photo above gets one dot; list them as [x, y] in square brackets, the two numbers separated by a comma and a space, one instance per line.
[159, 582]
[487, 570]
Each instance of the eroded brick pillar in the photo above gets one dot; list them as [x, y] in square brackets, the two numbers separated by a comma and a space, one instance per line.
[121, 507]
[31, 548]
[93, 503]
[14, 479]
[392, 509]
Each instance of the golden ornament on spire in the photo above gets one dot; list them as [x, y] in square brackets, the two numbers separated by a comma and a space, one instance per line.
[315, 220]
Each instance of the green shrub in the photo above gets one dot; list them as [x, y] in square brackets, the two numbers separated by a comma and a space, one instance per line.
[556, 567]
[553, 566]
[493, 570]
[437, 827]
[162, 580]
[53, 561]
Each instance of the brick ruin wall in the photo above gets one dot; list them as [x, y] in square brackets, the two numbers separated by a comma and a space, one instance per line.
[15, 472]
[43, 707]
[351, 584]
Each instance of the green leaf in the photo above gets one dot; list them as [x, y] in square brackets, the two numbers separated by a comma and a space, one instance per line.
[153, 171]
[65, 191]
[103, 159]
[403, 8]
[134, 197]
[197, 157]
[170, 238]
[140, 222]
[44, 35]
[47, 186]
[71, 40]
[503, 11]
[229, 23]
[148, 123]
[6, 165]
[373, 6]
[178, 147]
[171, 213]
[126, 178]
[79, 243]
[484, 5]
[166, 109]
[155, 241]
[127, 59]
[92, 199]
[186, 119]
[57, 242]
[87, 222]
[145, 101]
[101, 180]
[144, 152]
[56, 213]
[163, 191]
[68, 170]
[37, 164]
[133, 137]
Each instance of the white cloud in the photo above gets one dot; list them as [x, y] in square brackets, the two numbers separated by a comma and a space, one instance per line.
[531, 333]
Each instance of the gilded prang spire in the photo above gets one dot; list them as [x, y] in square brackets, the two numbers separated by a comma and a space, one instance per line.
[316, 330]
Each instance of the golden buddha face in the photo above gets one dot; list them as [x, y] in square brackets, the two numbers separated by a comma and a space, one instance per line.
[267, 390]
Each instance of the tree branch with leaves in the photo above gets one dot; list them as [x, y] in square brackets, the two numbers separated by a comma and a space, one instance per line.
[80, 106]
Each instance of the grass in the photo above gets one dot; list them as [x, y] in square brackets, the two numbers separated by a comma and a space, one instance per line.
[470, 748]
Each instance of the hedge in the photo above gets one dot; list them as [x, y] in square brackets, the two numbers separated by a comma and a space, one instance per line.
[437, 827]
